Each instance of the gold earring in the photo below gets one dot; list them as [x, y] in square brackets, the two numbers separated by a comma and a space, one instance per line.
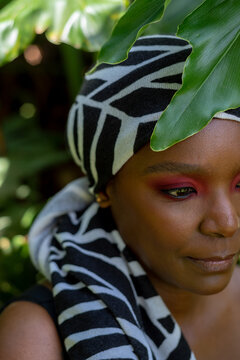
[102, 199]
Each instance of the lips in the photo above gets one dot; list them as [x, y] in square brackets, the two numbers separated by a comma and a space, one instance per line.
[214, 264]
[216, 258]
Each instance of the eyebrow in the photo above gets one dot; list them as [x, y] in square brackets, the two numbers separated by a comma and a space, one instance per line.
[173, 167]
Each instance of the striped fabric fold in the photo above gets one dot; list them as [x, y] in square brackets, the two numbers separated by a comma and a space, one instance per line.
[107, 307]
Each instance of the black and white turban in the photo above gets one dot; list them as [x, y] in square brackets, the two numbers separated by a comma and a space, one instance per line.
[118, 106]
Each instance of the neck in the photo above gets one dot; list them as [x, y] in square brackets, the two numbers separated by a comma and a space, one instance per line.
[180, 302]
[185, 305]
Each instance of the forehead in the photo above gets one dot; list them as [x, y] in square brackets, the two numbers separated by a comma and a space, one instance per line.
[217, 144]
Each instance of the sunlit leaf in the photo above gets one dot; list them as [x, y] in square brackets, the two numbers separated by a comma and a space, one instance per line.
[139, 14]
[82, 24]
[18, 21]
[211, 80]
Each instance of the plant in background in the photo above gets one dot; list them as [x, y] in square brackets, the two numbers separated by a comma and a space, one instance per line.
[82, 24]
[33, 157]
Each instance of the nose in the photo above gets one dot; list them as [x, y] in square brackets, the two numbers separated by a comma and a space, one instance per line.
[221, 217]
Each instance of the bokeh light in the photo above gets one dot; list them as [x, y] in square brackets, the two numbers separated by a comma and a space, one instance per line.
[5, 221]
[23, 191]
[4, 166]
[27, 110]
[5, 245]
[28, 217]
[33, 55]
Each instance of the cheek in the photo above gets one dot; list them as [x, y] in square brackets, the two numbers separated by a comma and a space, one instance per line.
[148, 223]
[173, 220]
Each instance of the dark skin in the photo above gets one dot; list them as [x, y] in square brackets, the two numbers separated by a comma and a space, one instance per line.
[182, 221]
[27, 332]
[179, 212]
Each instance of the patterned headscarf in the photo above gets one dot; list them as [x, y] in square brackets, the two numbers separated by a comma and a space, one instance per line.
[118, 106]
[107, 307]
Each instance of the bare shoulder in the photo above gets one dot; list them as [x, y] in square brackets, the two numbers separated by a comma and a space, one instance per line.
[28, 332]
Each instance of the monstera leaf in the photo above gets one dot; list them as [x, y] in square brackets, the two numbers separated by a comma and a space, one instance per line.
[19, 21]
[211, 80]
[82, 24]
[140, 14]
[174, 15]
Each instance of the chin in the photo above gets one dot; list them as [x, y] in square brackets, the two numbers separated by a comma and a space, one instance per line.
[212, 284]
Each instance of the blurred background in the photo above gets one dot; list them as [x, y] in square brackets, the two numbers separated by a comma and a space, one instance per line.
[36, 92]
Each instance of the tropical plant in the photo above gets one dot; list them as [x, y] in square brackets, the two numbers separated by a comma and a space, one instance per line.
[212, 29]
[82, 24]
[211, 79]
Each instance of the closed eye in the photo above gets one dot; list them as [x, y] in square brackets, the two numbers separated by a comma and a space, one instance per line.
[180, 193]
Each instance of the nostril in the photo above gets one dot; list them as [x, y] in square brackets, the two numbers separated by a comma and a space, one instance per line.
[218, 235]
[220, 224]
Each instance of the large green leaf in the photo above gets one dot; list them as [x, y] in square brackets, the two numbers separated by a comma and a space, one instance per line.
[173, 16]
[211, 80]
[18, 23]
[82, 24]
[139, 15]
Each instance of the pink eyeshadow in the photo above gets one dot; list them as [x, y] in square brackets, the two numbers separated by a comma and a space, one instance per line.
[171, 182]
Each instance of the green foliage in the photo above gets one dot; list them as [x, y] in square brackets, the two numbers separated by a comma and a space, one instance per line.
[19, 21]
[34, 163]
[82, 24]
[174, 14]
[16, 271]
[30, 152]
[140, 14]
[211, 81]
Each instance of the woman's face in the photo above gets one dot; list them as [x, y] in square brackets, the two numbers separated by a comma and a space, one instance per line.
[179, 209]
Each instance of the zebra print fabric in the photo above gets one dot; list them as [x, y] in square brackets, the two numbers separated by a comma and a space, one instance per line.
[107, 308]
[118, 106]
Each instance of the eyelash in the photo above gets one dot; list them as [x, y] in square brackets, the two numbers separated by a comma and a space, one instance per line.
[185, 192]
[180, 193]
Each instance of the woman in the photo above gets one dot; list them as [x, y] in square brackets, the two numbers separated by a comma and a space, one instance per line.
[148, 270]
